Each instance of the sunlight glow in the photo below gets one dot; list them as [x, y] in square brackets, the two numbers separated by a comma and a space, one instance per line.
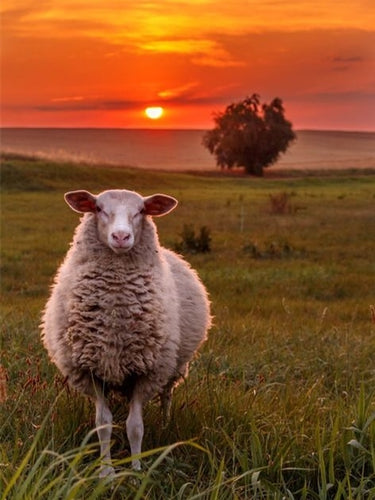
[154, 112]
[193, 57]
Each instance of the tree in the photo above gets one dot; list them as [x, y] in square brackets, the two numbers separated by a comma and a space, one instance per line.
[250, 135]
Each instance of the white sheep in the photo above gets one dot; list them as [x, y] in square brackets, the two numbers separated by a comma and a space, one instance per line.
[124, 313]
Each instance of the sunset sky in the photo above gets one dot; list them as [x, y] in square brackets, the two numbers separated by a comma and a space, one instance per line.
[98, 63]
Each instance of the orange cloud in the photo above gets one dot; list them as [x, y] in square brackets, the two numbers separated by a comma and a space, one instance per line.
[177, 92]
[203, 52]
[141, 22]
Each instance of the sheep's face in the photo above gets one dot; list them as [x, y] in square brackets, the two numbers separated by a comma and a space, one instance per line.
[119, 214]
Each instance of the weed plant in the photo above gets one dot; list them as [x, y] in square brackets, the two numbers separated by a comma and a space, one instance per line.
[192, 243]
[279, 404]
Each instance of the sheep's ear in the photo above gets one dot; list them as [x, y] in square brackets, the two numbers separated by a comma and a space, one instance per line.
[159, 204]
[81, 201]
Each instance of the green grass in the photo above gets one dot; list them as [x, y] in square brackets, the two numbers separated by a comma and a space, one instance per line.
[279, 403]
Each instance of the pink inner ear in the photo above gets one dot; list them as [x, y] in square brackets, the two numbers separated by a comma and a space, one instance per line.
[87, 205]
[159, 204]
[81, 201]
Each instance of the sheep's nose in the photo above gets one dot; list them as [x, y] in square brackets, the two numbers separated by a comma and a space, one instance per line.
[120, 236]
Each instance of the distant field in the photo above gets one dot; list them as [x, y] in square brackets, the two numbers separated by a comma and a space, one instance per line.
[280, 402]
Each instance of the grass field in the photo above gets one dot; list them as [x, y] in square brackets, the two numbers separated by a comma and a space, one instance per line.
[279, 403]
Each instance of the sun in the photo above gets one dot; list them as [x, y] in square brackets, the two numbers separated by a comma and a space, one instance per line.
[154, 112]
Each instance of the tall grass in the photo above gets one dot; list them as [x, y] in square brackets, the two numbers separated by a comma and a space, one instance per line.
[280, 401]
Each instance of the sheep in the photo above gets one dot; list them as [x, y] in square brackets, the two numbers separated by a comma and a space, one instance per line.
[124, 313]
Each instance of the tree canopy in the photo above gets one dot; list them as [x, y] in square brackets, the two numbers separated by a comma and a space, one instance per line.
[250, 134]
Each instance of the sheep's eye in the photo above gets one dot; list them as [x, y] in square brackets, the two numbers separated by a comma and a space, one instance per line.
[99, 210]
[138, 213]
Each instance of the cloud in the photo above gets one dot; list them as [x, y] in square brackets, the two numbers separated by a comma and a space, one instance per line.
[215, 62]
[350, 59]
[120, 22]
[82, 104]
[345, 63]
[355, 95]
[203, 52]
[176, 46]
[177, 92]
[67, 99]
[186, 95]
[336, 96]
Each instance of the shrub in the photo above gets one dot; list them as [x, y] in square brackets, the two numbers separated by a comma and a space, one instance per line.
[280, 204]
[191, 243]
[276, 249]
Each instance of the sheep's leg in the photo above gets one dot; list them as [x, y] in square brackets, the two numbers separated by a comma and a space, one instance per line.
[166, 395]
[166, 402]
[103, 422]
[134, 428]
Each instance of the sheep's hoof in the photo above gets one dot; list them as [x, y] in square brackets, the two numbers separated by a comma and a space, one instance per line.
[136, 465]
[106, 471]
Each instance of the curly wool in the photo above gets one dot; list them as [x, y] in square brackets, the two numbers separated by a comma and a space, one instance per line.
[126, 308]
[114, 321]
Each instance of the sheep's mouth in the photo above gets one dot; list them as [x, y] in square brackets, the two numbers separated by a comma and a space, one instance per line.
[121, 249]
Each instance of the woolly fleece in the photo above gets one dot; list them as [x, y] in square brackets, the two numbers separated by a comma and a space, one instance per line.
[116, 319]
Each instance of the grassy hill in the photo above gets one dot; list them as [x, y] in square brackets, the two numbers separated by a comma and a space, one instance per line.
[280, 401]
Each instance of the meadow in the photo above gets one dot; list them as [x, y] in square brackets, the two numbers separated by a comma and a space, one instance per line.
[279, 403]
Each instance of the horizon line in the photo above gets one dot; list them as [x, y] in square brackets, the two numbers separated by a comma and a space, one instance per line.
[169, 129]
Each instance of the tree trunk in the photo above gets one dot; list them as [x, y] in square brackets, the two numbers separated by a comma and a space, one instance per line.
[258, 170]
[254, 169]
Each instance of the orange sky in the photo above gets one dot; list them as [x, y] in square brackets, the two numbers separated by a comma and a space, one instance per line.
[99, 63]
